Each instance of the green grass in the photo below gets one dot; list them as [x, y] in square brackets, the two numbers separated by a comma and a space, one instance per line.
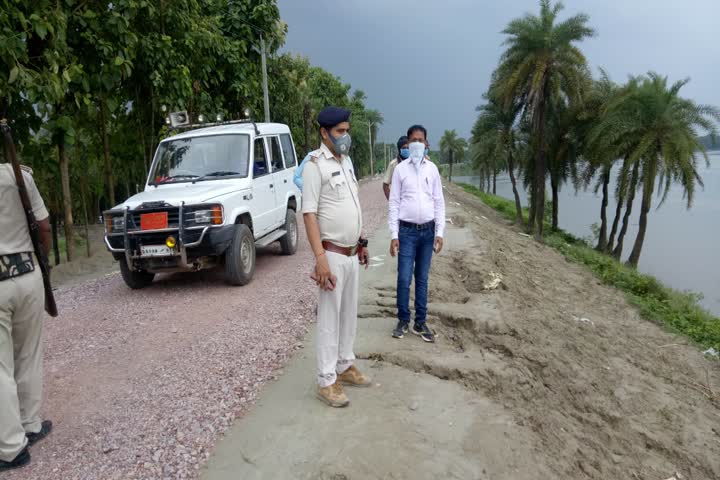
[679, 311]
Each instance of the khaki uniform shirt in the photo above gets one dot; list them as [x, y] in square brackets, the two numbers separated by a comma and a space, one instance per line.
[389, 173]
[330, 190]
[14, 234]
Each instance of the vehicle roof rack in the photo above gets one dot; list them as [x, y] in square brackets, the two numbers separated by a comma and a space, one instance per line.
[215, 124]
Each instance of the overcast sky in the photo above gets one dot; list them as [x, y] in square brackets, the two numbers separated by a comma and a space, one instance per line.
[429, 61]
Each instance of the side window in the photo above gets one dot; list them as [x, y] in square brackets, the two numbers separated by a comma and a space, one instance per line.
[276, 159]
[260, 165]
[287, 148]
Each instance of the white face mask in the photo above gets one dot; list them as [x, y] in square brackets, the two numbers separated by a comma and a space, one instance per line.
[417, 152]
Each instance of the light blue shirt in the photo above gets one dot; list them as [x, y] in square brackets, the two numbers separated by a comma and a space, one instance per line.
[297, 179]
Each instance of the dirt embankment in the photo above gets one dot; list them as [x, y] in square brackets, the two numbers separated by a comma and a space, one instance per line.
[538, 372]
[602, 393]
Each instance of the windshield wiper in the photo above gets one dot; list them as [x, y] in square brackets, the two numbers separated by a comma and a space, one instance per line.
[173, 177]
[221, 173]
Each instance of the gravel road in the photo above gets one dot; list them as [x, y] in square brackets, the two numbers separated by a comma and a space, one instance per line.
[140, 384]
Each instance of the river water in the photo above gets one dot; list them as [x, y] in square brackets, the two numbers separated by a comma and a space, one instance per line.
[682, 247]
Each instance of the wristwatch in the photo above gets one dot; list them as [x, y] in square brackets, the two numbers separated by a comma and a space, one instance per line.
[362, 242]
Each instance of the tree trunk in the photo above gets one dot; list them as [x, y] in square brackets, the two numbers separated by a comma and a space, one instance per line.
[56, 240]
[648, 189]
[533, 212]
[540, 169]
[67, 201]
[618, 211]
[617, 253]
[451, 165]
[109, 181]
[494, 181]
[555, 185]
[487, 177]
[87, 220]
[616, 222]
[516, 194]
[602, 238]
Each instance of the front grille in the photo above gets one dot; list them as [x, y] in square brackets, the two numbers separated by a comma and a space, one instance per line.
[147, 239]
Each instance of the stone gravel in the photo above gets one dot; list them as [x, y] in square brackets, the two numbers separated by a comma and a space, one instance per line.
[140, 384]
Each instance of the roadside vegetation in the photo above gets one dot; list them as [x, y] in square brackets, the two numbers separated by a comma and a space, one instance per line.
[87, 87]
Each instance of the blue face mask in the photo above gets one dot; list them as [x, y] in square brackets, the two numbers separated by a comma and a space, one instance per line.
[404, 153]
[342, 143]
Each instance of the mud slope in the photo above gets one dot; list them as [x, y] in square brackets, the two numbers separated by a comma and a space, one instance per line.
[603, 393]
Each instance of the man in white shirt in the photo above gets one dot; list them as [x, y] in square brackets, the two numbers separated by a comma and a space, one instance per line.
[417, 223]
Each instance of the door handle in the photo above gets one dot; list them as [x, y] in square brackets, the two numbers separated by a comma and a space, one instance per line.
[285, 181]
[271, 185]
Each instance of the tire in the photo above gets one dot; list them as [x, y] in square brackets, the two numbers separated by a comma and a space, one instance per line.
[240, 257]
[289, 242]
[135, 279]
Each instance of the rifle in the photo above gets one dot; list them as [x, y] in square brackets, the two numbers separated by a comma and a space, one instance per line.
[34, 229]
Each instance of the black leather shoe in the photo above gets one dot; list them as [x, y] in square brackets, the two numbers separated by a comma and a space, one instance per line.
[45, 429]
[22, 459]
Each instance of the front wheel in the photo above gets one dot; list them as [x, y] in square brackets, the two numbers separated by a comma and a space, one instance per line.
[135, 279]
[240, 257]
[289, 242]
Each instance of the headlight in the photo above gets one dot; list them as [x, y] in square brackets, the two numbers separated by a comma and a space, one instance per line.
[209, 216]
[114, 223]
[118, 224]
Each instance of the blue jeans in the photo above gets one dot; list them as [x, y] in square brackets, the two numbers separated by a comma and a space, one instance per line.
[416, 249]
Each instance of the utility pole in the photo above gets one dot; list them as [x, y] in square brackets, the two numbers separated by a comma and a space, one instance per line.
[266, 96]
[385, 157]
[372, 166]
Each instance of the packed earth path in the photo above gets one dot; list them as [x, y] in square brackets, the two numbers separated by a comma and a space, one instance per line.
[140, 384]
[539, 372]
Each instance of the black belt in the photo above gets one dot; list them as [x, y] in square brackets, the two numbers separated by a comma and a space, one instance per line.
[424, 226]
[16, 264]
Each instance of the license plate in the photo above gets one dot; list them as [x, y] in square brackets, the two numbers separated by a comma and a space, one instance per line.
[153, 221]
[156, 251]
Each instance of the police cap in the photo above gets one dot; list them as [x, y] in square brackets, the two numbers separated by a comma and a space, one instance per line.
[331, 116]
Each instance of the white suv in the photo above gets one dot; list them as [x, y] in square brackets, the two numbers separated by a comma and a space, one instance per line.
[212, 195]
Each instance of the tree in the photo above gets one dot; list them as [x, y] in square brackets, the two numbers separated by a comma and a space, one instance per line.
[494, 136]
[542, 61]
[83, 84]
[602, 92]
[658, 128]
[453, 147]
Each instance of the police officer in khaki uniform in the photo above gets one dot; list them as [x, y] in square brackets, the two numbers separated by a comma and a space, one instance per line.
[403, 154]
[22, 305]
[333, 221]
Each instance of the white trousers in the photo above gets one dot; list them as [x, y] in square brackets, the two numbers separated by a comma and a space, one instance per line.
[337, 319]
[22, 307]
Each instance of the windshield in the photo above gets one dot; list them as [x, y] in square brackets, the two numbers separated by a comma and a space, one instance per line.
[201, 158]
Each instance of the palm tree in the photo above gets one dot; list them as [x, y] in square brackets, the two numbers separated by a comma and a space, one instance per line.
[563, 137]
[657, 128]
[493, 137]
[542, 61]
[602, 92]
[452, 146]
